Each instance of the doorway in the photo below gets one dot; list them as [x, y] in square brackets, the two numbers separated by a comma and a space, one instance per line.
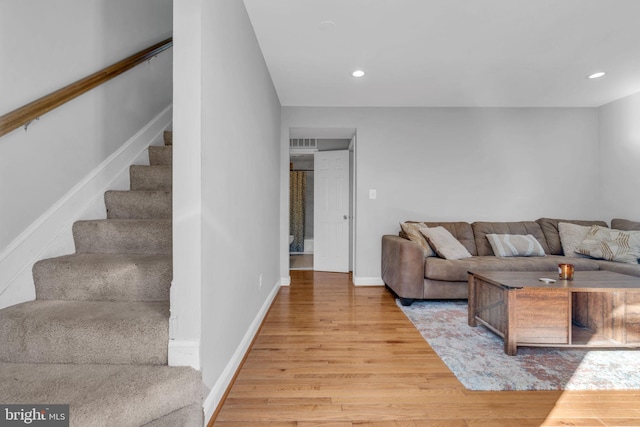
[302, 197]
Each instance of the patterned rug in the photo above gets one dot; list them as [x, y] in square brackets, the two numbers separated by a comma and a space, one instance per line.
[476, 356]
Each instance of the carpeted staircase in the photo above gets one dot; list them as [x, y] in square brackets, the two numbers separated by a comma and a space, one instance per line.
[96, 337]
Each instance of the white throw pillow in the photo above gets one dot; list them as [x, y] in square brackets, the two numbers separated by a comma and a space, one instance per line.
[571, 235]
[443, 242]
[507, 245]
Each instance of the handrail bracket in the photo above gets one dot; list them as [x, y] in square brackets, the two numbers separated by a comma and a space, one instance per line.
[26, 125]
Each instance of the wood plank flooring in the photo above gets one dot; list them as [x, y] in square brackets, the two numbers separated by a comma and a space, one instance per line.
[333, 355]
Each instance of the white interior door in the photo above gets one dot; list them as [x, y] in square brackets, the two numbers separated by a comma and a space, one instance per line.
[331, 211]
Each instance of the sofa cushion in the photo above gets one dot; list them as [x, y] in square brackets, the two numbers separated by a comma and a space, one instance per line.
[410, 229]
[462, 231]
[625, 224]
[571, 235]
[611, 245]
[508, 245]
[481, 229]
[444, 243]
[457, 270]
[619, 267]
[550, 229]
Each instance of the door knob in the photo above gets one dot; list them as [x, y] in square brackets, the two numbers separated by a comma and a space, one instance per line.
[345, 217]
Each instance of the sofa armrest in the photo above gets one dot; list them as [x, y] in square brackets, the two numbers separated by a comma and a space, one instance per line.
[403, 267]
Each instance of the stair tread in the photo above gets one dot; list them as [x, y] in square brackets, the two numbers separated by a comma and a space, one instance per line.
[125, 395]
[85, 332]
[104, 277]
[78, 311]
[159, 221]
[141, 193]
[151, 167]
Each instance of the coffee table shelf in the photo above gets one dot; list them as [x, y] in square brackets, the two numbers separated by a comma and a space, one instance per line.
[583, 337]
[596, 309]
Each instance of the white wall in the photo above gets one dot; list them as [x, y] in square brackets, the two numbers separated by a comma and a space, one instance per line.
[620, 158]
[240, 200]
[45, 45]
[185, 320]
[461, 164]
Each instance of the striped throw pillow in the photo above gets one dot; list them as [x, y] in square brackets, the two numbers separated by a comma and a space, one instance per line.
[611, 245]
[507, 245]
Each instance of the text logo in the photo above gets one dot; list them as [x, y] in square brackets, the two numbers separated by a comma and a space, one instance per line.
[34, 415]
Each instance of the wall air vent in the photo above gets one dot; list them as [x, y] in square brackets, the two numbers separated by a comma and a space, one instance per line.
[307, 143]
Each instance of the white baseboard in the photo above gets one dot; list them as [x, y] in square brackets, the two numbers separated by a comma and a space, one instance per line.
[368, 281]
[184, 353]
[216, 394]
[50, 235]
[285, 281]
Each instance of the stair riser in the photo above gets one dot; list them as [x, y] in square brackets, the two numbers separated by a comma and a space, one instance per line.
[123, 236]
[161, 155]
[103, 278]
[138, 204]
[65, 334]
[150, 178]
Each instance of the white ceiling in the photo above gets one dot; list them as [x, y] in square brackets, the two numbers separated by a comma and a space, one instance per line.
[450, 53]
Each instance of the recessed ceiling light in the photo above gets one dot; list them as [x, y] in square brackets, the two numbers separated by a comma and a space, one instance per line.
[327, 26]
[358, 73]
[596, 75]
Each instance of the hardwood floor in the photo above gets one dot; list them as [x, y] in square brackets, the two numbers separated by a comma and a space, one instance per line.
[333, 355]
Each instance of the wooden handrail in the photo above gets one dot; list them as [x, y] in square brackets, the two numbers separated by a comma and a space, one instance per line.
[25, 114]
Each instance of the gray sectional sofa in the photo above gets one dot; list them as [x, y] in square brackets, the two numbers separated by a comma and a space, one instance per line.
[413, 276]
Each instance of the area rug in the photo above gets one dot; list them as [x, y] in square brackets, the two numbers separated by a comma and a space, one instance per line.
[476, 356]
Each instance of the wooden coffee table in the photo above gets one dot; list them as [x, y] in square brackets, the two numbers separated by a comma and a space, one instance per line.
[596, 309]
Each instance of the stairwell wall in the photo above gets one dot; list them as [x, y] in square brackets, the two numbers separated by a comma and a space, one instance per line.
[44, 46]
[185, 320]
[238, 113]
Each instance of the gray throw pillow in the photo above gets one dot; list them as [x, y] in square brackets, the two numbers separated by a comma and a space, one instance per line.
[443, 242]
[411, 230]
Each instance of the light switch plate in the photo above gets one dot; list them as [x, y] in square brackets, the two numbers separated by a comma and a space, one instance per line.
[373, 194]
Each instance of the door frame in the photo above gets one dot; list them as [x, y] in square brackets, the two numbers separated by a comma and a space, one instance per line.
[319, 133]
